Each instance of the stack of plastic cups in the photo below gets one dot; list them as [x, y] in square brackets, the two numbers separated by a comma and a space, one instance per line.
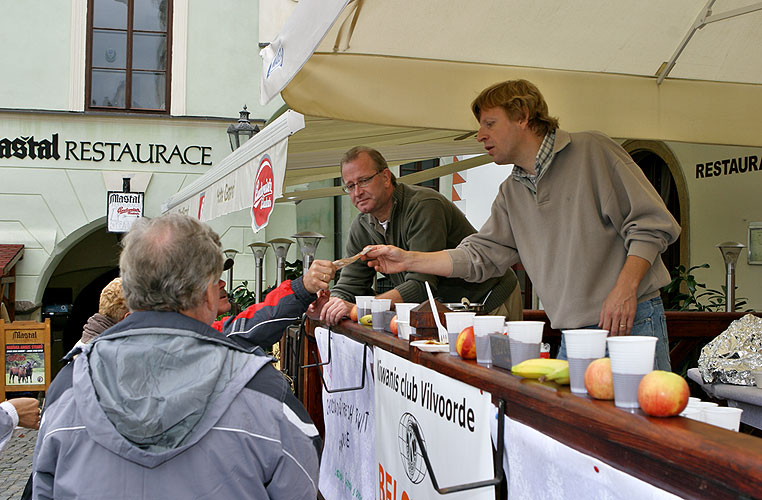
[692, 410]
[484, 326]
[582, 348]
[698, 405]
[363, 305]
[524, 338]
[456, 322]
[723, 416]
[377, 309]
[631, 359]
[403, 318]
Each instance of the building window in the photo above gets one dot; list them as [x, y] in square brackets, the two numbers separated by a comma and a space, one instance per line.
[418, 166]
[128, 55]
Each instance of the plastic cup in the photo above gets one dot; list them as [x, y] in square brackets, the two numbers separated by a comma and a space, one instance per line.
[524, 338]
[403, 330]
[582, 348]
[484, 326]
[377, 309]
[403, 310]
[723, 416]
[631, 359]
[525, 331]
[456, 322]
[692, 412]
[363, 305]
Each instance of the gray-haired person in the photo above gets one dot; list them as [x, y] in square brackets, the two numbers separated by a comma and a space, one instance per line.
[161, 405]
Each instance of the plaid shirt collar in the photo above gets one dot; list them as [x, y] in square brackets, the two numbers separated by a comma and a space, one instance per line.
[542, 161]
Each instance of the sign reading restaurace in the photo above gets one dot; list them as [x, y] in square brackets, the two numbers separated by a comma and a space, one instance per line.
[123, 209]
[24, 147]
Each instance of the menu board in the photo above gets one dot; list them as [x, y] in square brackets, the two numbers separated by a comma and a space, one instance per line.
[25, 356]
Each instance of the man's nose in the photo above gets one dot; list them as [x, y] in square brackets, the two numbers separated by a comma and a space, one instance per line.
[221, 284]
[481, 136]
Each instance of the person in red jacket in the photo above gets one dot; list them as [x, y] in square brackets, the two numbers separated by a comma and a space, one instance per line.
[263, 323]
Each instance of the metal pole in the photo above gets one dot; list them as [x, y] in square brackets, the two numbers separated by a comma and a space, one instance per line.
[258, 279]
[730, 287]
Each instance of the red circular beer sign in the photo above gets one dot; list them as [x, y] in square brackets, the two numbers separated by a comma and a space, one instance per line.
[263, 192]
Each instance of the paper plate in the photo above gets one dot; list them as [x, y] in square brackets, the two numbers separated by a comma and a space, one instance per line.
[422, 345]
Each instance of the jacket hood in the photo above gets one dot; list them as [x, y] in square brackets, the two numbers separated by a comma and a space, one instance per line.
[157, 382]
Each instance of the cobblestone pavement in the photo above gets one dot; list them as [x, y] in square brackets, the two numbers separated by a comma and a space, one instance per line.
[16, 464]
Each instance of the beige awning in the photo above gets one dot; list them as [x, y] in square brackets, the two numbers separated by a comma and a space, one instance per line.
[419, 64]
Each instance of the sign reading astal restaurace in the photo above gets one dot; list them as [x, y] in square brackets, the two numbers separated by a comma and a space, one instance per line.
[53, 148]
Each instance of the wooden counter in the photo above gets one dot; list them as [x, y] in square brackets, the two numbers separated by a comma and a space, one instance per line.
[685, 457]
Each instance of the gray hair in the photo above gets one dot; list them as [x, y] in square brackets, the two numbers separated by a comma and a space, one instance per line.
[168, 262]
[379, 162]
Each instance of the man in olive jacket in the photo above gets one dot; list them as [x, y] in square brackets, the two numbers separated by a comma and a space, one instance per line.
[413, 218]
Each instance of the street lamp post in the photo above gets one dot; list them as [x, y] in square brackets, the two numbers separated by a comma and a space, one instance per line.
[230, 254]
[280, 247]
[730, 251]
[308, 242]
[259, 250]
[242, 131]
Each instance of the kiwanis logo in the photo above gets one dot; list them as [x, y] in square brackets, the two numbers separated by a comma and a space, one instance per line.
[263, 193]
[410, 452]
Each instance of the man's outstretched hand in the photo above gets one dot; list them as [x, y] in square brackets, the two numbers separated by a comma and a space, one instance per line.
[386, 259]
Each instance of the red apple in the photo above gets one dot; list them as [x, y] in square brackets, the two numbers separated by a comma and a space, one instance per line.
[393, 325]
[663, 394]
[466, 346]
[598, 379]
[353, 313]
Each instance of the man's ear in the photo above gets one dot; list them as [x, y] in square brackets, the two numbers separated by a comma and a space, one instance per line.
[212, 295]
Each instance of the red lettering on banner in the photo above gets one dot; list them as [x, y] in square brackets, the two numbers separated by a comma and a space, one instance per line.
[388, 486]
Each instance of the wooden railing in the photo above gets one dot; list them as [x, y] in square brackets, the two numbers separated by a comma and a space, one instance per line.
[683, 456]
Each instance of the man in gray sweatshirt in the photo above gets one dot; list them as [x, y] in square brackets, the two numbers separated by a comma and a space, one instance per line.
[163, 406]
[577, 212]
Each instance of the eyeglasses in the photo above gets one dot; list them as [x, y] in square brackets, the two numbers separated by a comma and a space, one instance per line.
[348, 188]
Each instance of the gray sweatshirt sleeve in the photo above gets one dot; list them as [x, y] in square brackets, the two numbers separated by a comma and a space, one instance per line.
[490, 251]
[638, 213]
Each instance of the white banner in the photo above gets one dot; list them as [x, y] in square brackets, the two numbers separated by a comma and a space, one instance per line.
[256, 184]
[347, 468]
[252, 176]
[298, 38]
[453, 419]
[538, 466]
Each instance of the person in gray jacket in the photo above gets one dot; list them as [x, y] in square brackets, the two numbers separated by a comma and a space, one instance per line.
[161, 405]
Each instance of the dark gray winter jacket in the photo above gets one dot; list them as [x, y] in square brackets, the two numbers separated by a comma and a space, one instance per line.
[162, 406]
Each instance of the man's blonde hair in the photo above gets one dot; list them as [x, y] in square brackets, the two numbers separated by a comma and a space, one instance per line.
[112, 303]
[518, 98]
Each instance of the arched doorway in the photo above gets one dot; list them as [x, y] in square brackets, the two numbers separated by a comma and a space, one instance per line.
[76, 282]
[662, 169]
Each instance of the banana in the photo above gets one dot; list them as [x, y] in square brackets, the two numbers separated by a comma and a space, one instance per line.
[560, 376]
[367, 320]
[536, 368]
